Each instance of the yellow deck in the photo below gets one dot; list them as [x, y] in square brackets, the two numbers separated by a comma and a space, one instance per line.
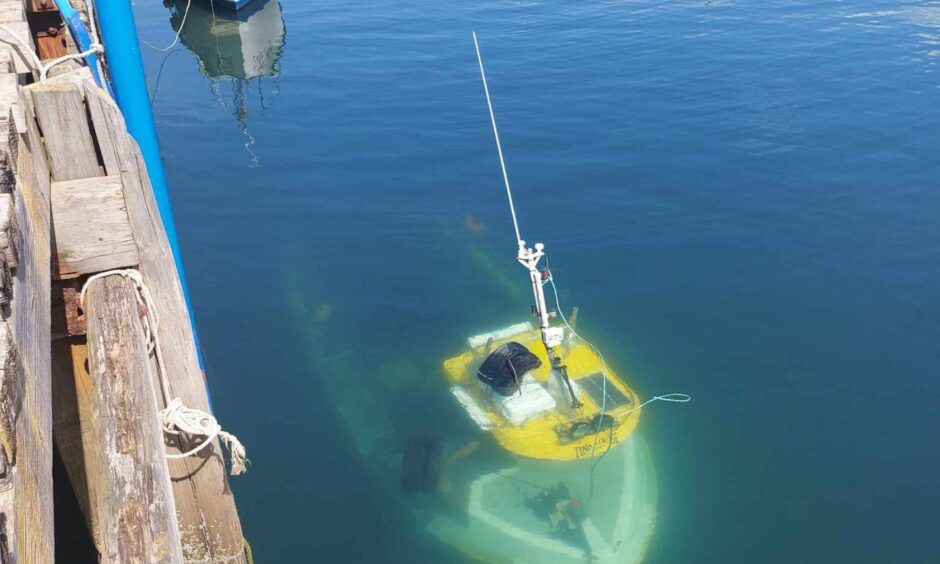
[537, 437]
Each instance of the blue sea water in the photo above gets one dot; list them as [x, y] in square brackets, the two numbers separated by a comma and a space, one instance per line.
[742, 198]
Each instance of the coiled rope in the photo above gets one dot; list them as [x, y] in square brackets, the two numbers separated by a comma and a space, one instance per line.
[176, 418]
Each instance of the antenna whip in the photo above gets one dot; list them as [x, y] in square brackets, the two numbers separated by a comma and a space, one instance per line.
[499, 148]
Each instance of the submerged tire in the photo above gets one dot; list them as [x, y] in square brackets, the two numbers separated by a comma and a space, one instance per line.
[579, 430]
[421, 465]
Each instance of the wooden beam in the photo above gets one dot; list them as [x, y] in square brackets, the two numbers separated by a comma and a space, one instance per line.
[137, 517]
[100, 108]
[209, 525]
[8, 231]
[6, 60]
[74, 73]
[29, 529]
[61, 114]
[9, 396]
[90, 226]
[72, 427]
[38, 6]
[8, 91]
[11, 12]
[8, 94]
[9, 258]
[68, 317]
[22, 62]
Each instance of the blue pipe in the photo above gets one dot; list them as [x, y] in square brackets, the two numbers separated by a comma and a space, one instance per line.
[80, 34]
[126, 70]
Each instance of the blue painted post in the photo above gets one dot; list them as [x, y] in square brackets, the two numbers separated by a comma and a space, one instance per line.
[126, 70]
[82, 38]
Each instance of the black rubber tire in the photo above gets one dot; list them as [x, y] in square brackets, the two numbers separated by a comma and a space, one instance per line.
[579, 430]
[421, 465]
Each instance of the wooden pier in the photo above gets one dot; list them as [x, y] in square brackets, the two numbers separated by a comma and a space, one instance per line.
[83, 376]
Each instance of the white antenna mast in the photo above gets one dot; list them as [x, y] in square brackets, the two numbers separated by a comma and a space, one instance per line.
[529, 258]
[499, 147]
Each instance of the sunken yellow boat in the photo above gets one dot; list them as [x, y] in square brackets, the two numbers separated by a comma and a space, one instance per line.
[551, 398]
[543, 392]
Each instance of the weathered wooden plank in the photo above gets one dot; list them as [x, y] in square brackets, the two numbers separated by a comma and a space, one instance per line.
[8, 98]
[31, 537]
[22, 61]
[8, 230]
[6, 288]
[8, 153]
[99, 108]
[6, 59]
[12, 12]
[72, 428]
[8, 94]
[39, 6]
[61, 114]
[90, 226]
[209, 525]
[51, 41]
[32, 166]
[137, 517]
[8, 254]
[72, 73]
[9, 399]
[68, 317]
[9, 395]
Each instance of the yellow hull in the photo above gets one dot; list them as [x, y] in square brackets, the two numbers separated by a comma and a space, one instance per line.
[544, 436]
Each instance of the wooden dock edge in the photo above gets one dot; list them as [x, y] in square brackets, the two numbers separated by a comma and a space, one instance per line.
[138, 515]
[210, 529]
[75, 200]
[26, 508]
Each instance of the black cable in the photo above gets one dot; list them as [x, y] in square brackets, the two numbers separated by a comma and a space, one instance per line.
[596, 461]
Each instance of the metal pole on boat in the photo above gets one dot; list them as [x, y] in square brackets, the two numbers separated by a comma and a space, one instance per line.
[499, 147]
[529, 257]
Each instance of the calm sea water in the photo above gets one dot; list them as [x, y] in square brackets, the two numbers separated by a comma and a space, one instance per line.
[742, 198]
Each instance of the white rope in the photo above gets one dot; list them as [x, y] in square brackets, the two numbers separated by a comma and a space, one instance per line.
[675, 397]
[44, 68]
[93, 29]
[27, 50]
[499, 147]
[176, 418]
[178, 32]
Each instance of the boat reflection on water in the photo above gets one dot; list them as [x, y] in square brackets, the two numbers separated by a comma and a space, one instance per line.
[240, 48]
[242, 45]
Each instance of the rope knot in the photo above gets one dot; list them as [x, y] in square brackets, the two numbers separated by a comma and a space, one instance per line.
[176, 418]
